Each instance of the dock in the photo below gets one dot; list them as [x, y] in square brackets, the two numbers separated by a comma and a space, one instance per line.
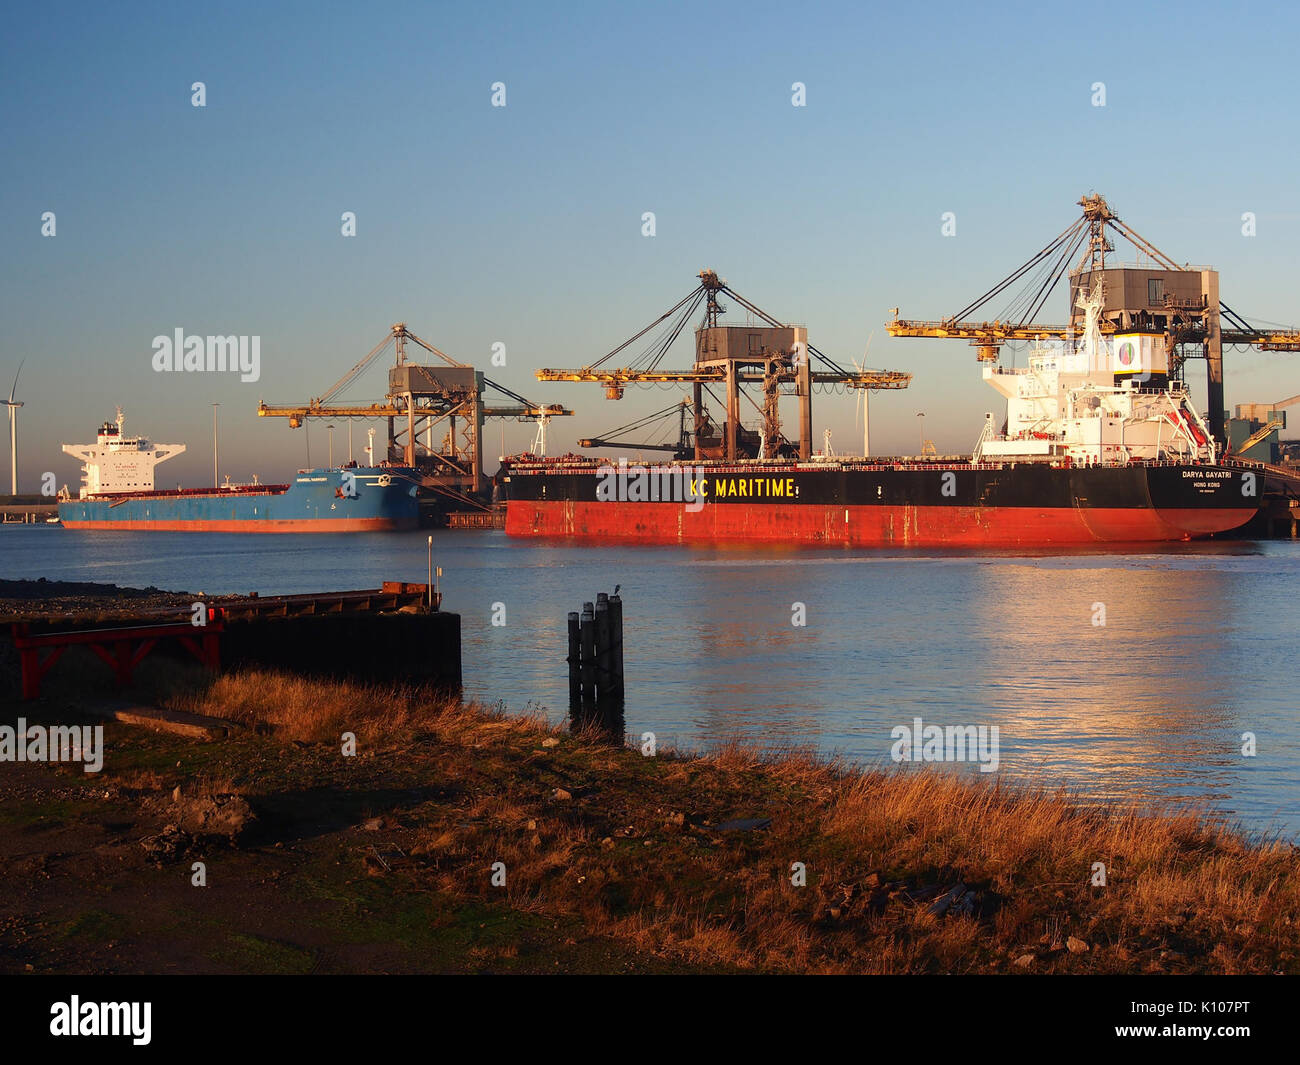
[395, 633]
[1279, 514]
[477, 519]
[18, 512]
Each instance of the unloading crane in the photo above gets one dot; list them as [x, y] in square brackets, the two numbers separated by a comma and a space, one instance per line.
[1182, 302]
[1265, 416]
[1260, 434]
[774, 356]
[419, 398]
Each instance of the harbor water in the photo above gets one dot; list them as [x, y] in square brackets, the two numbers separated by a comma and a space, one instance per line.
[1119, 676]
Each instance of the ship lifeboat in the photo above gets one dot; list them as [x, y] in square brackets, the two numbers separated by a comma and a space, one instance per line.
[1187, 426]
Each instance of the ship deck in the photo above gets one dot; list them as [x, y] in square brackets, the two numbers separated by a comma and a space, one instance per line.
[191, 493]
[570, 464]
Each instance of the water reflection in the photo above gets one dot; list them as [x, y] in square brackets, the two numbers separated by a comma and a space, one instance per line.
[1111, 706]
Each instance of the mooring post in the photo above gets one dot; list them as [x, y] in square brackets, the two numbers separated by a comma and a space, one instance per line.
[575, 660]
[604, 687]
[596, 665]
[616, 644]
[588, 632]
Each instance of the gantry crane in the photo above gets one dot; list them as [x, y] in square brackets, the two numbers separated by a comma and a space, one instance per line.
[1190, 314]
[420, 397]
[774, 356]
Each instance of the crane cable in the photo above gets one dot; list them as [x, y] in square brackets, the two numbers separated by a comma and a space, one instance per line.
[691, 297]
[1046, 288]
[1006, 282]
[755, 309]
[640, 422]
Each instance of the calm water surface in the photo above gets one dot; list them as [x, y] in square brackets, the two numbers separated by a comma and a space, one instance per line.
[1198, 645]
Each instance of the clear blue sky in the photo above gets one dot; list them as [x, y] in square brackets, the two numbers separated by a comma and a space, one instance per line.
[523, 225]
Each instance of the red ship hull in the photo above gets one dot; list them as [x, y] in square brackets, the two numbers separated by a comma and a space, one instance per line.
[881, 505]
[862, 526]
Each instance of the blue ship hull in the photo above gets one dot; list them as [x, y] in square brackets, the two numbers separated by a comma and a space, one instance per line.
[347, 500]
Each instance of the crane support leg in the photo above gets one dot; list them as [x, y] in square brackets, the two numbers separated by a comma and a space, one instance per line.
[805, 406]
[476, 413]
[410, 429]
[1213, 358]
[771, 407]
[733, 410]
[699, 422]
[1214, 390]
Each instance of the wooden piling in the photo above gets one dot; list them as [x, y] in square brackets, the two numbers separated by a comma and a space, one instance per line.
[604, 674]
[616, 649]
[588, 631]
[596, 664]
[575, 660]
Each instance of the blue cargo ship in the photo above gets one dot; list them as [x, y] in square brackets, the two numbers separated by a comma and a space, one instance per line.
[118, 493]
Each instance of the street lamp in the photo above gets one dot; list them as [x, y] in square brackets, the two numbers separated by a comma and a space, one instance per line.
[215, 476]
[921, 415]
[331, 447]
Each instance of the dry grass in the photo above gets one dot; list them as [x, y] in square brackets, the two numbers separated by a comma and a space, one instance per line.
[634, 853]
[292, 707]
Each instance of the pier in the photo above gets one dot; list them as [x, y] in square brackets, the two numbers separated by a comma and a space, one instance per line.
[26, 510]
[1279, 513]
[395, 633]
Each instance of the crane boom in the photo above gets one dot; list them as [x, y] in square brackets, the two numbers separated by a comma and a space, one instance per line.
[1087, 232]
[619, 377]
[297, 412]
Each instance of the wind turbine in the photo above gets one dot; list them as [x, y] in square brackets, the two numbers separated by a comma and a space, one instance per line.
[13, 406]
[864, 414]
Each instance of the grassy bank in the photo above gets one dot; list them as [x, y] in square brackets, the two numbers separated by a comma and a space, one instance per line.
[613, 861]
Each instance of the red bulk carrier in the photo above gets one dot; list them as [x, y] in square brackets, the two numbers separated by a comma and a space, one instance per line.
[1099, 445]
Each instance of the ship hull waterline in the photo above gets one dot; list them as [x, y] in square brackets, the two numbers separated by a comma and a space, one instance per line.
[999, 507]
[665, 523]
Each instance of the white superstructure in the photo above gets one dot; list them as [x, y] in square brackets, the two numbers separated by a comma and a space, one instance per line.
[1097, 401]
[119, 463]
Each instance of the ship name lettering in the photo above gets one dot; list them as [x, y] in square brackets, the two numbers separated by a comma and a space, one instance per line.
[753, 487]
